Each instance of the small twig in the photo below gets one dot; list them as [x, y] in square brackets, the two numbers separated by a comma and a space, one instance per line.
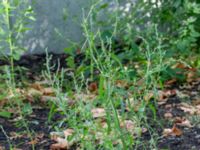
[7, 137]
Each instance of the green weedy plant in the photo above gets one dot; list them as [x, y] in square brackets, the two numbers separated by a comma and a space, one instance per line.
[179, 21]
[15, 102]
[56, 82]
[14, 17]
[178, 24]
[150, 57]
[111, 69]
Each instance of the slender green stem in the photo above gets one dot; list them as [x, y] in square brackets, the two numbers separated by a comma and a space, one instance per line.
[117, 122]
[10, 42]
[7, 137]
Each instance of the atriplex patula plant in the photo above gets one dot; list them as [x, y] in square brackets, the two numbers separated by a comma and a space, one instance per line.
[15, 102]
[114, 99]
[14, 17]
[111, 70]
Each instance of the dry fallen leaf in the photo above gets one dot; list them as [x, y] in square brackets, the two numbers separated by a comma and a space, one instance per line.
[168, 107]
[183, 122]
[182, 94]
[3, 102]
[191, 75]
[93, 87]
[176, 131]
[188, 108]
[61, 144]
[170, 82]
[134, 105]
[1, 147]
[45, 99]
[36, 86]
[99, 137]
[98, 112]
[180, 66]
[104, 124]
[168, 115]
[144, 130]
[122, 84]
[33, 92]
[148, 96]
[129, 125]
[198, 109]
[163, 95]
[33, 142]
[68, 132]
[15, 135]
[172, 132]
[196, 101]
[48, 91]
